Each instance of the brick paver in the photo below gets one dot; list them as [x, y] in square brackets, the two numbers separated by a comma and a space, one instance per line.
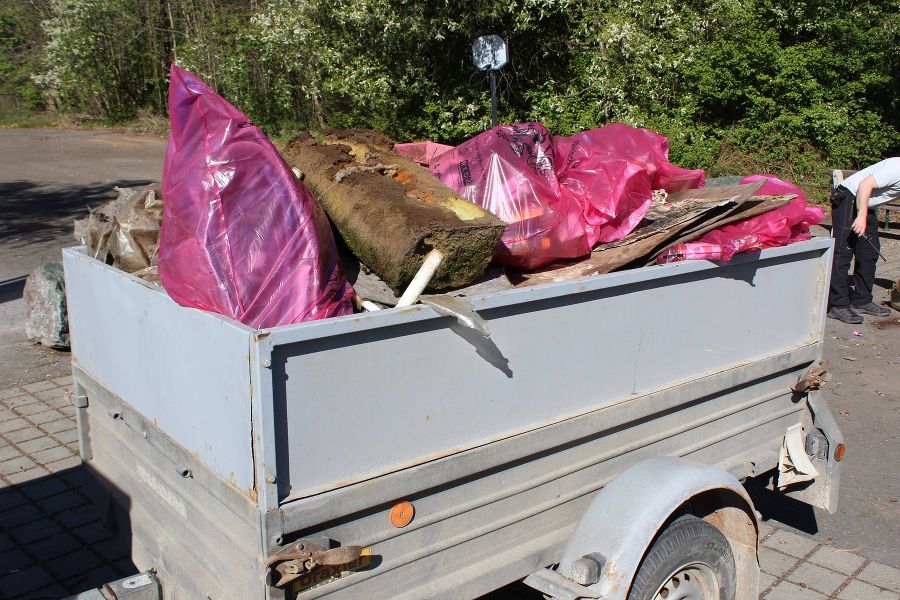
[796, 567]
[44, 552]
[53, 542]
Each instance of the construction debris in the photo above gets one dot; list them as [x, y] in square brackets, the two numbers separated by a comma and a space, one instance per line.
[124, 233]
[392, 212]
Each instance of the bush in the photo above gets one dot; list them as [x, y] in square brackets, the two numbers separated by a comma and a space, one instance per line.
[790, 87]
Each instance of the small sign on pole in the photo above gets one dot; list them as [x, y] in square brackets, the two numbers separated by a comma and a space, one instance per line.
[489, 53]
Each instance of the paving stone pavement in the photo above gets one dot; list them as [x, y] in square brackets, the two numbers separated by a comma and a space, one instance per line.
[53, 542]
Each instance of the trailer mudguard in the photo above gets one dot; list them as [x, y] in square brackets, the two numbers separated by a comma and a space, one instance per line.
[625, 516]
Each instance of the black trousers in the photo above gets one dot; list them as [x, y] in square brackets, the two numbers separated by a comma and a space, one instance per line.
[847, 246]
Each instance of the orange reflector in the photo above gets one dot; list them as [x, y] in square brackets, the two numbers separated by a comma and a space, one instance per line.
[402, 514]
[839, 452]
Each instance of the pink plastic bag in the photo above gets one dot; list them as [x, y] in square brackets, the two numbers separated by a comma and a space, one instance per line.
[509, 171]
[240, 235]
[778, 227]
[612, 171]
[561, 196]
[423, 153]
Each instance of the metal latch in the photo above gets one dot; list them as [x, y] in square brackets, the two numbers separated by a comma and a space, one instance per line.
[302, 556]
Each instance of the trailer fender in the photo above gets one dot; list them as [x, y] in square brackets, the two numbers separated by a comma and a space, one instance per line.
[625, 517]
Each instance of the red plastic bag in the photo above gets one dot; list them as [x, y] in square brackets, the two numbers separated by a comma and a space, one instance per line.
[509, 171]
[778, 227]
[561, 196]
[240, 235]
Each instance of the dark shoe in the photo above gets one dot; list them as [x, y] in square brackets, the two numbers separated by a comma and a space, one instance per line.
[873, 309]
[843, 313]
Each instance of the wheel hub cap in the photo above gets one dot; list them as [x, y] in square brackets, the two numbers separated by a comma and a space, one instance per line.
[690, 582]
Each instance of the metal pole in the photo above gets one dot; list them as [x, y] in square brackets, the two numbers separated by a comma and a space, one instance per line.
[493, 98]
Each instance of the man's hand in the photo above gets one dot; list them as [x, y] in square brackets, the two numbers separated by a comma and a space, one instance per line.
[863, 193]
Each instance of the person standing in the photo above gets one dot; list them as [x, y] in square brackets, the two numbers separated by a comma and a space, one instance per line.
[855, 232]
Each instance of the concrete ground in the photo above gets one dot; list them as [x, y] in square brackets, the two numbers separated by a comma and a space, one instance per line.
[49, 178]
[52, 542]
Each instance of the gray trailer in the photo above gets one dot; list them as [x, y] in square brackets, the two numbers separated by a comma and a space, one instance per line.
[593, 444]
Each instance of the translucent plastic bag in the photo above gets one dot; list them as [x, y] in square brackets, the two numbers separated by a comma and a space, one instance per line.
[561, 196]
[240, 235]
[612, 171]
[509, 171]
[778, 227]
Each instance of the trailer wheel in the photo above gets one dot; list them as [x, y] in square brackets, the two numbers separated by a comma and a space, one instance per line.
[690, 560]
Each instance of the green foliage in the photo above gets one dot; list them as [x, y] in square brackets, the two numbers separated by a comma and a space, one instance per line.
[20, 45]
[98, 60]
[769, 85]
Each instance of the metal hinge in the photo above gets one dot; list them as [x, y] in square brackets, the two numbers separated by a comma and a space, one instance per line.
[80, 402]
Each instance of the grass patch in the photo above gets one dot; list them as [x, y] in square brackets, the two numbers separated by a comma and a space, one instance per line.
[20, 119]
[144, 124]
[147, 123]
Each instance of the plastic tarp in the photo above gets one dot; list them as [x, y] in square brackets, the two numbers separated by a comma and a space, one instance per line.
[560, 196]
[240, 235]
[778, 227]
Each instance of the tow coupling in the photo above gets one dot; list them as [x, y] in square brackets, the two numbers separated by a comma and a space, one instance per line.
[303, 556]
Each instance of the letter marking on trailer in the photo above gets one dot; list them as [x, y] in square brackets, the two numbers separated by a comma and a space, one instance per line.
[162, 491]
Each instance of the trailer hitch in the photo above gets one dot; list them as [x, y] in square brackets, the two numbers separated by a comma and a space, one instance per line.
[302, 556]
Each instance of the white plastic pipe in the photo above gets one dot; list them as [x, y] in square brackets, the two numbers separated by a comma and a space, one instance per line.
[429, 267]
[370, 306]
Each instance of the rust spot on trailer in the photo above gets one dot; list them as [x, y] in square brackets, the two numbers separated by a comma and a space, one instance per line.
[250, 493]
[615, 578]
[261, 335]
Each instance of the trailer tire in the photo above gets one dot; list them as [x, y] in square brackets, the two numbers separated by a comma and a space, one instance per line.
[690, 559]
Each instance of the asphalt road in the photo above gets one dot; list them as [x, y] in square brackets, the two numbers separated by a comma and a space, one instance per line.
[49, 177]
